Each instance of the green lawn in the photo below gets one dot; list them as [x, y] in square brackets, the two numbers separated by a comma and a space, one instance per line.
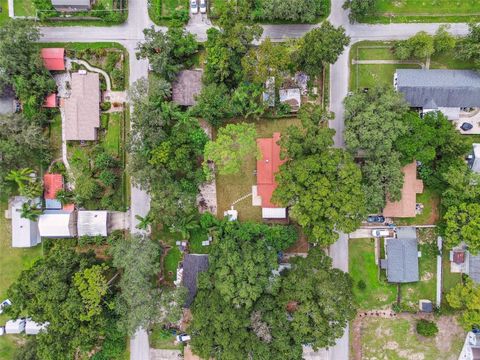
[170, 263]
[396, 339]
[449, 279]
[378, 293]
[162, 339]
[425, 11]
[370, 75]
[429, 216]
[12, 262]
[4, 13]
[55, 136]
[112, 142]
[24, 8]
[233, 187]
[195, 243]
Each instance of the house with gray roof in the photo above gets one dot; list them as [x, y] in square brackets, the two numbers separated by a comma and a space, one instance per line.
[71, 5]
[402, 256]
[193, 264]
[439, 89]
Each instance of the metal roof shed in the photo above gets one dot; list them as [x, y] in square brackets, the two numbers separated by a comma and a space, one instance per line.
[24, 232]
[57, 224]
[15, 326]
[92, 223]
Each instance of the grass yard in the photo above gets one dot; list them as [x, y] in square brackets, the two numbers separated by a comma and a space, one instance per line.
[425, 11]
[195, 243]
[162, 339]
[170, 263]
[378, 293]
[449, 279]
[161, 11]
[4, 11]
[112, 142]
[233, 187]
[396, 339]
[430, 214]
[369, 75]
[55, 136]
[12, 262]
[24, 8]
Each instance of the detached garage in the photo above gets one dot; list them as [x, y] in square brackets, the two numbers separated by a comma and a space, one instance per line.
[92, 223]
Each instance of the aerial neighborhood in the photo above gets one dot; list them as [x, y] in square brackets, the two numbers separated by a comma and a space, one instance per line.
[236, 179]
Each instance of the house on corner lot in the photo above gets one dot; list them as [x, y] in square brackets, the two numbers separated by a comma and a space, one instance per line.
[82, 108]
[186, 87]
[193, 264]
[92, 223]
[71, 5]
[57, 224]
[24, 232]
[407, 205]
[402, 256]
[445, 90]
[53, 58]
[267, 167]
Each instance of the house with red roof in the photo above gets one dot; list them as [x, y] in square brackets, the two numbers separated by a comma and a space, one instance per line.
[267, 167]
[53, 58]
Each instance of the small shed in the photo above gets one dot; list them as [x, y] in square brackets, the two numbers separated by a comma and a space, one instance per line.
[15, 326]
[54, 58]
[425, 306]
[186, 87]
[92, 223]
[402, 256]
[193, 264]
[24, 231]
[57, 224]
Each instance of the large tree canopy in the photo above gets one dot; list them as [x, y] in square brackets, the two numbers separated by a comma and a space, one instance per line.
[468, 48]
[322, 185]
[293, 10]
[466, 297]
[463, 224]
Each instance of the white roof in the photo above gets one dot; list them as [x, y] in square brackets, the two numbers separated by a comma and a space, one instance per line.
[92, 223]
[274, 213]
[24, 232]
[33, 328]
[476, 158]
[15, 326]
[56, 224]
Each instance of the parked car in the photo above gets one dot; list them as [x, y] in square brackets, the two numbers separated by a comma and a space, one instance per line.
[183, 338]
[203, 6]
[466, 126]
[376, 219]
[380, 233]
[194, 7]
[4, 304]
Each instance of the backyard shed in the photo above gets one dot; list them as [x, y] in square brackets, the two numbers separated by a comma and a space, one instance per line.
[33, 328]
[407, 205]
[24, 232]
[50, 101]
[267, 167]
[15, 326]
[57, 224]
[54, 58]
[186, 87]
[92, 223]
[82, 108]
[402, 256]
[193, 264]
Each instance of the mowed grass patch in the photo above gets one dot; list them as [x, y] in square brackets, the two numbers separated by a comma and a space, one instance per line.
[232, 187]
[23, 8]
[162, 339]
[170, 263]
[112, 142]
[397, 339]
[377, 293]
[4, 13]
[55, 136]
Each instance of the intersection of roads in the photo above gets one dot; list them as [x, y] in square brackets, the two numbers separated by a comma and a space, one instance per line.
[130, 33]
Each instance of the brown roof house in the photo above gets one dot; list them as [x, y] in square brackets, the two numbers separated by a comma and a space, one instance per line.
[82, 108]
[407, 206]
[186, 87]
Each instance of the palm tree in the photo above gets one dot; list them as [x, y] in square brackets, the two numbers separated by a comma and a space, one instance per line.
[30, 211]
[64, 196]
[20, 177]
[186, 226]
[144, 222]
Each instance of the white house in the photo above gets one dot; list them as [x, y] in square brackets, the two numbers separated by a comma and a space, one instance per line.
[92, 223]
[474, 158]
[57, 224]
[24, 232]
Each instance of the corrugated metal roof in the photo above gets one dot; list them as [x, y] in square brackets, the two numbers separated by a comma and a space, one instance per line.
[72, 3]
[402, 256]
[24, 232]
[439, 88]
[57, 224]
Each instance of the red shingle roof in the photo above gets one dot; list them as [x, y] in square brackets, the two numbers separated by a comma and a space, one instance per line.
[50, 101]
[53, 58]
[52, 183]
[267, 167]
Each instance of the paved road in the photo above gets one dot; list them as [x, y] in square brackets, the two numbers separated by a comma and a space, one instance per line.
[130, 33]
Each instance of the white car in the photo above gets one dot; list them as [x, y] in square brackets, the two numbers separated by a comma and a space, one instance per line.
[194, 7]
[183, 338]
[203, 6]
[380, 233]
[4, 304]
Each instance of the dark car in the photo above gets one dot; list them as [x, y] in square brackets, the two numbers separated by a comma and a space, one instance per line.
[466, 126]
[376, 219]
